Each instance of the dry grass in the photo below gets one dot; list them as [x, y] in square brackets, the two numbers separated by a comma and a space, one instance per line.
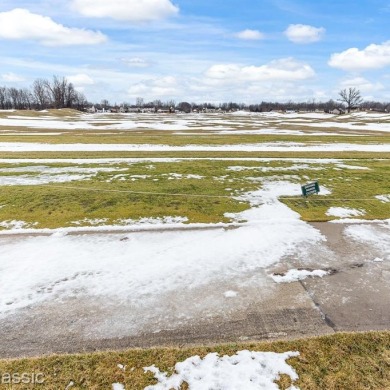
[65, 112]
[350, 361]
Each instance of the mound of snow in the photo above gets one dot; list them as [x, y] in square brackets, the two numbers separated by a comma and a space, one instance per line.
[244, 370]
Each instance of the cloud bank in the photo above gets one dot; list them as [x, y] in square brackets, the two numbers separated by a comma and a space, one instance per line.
[372, 57]
[21, 24]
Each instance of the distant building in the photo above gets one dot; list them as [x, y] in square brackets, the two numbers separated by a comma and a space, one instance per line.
[337, 111]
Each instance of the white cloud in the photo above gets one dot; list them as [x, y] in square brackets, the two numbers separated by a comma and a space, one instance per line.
[277, 80]
[286, 69]
[135, 62]
[372, 57]
[364, 85]
[130, 10]
[155, 88]
[302, 33]
[250, 35]
[80, 80]
[11, 77]
[21, 24]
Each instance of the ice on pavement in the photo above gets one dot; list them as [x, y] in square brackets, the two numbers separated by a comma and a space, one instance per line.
[38, 268]
[377, 235]
[245, 370]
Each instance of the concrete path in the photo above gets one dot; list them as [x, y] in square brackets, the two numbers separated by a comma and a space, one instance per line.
[353, 297]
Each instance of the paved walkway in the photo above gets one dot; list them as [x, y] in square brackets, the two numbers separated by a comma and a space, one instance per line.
[354, 297]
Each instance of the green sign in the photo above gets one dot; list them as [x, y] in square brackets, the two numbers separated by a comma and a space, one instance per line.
[310, 188]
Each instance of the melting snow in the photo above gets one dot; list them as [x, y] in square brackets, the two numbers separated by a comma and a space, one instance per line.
[383, 198]
[37, 175]
[244, 370]
[17, 225]
[378, 236]
[293, 275]
[259, 147]
[230, 294]
[344, 212]
[153, 262]
[118, 386]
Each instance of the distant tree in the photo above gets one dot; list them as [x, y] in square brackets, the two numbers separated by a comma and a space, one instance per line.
[105, 104]
[139, 102]
[3, 97]
[351, 97]
[185, 107]
[41, 94]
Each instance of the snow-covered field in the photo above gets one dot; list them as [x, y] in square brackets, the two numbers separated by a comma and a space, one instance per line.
[259, 147]
[146, 265]
[360, 121]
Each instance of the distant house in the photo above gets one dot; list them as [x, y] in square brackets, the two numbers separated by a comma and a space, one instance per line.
[337, 111]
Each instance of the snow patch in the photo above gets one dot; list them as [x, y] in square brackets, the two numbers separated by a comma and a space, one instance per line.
[244, 370]
[258, 147]
[17, 225]
[89, 221]
[293, 275]
[152, 221]
[376, 235]
[344, 212]
[353, 167]
[230, 294]
[383, 198]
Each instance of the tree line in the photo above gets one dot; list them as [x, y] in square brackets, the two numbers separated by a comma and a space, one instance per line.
[43, 94]
[60, 93]
[349, 99]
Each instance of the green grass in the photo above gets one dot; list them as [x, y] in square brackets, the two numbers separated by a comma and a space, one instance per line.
[195, 155]
[58, 205]
[350, 188]
[169, 138]
[344, 361]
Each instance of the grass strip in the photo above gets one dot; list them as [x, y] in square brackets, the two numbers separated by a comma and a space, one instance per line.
[348, 361]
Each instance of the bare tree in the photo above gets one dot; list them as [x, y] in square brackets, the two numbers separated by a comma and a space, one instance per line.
[3, 97]
[79, 102]
[41, 94]
[351, 97]
[139, 102]
[15, 97]
[105, 104]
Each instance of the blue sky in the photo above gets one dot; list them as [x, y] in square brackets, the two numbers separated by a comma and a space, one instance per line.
[216, 51]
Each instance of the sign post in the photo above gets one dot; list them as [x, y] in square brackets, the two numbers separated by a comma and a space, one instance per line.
[310, 189]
